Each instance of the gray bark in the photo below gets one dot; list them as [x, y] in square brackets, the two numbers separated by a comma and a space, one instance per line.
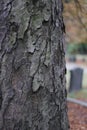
[32, 65]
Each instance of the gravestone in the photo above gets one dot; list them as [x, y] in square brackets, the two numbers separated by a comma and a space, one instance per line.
[76, 79]
[72, 58]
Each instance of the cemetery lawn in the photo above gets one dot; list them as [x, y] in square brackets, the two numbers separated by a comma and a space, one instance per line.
[81, 95]
[84, 82]
[77, 116]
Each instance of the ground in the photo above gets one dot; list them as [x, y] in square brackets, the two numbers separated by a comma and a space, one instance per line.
[77, 117]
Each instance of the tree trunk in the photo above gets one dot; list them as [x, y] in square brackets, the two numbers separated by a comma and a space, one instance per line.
[32, 65]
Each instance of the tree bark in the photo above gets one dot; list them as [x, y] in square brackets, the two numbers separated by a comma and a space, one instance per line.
[32, 65]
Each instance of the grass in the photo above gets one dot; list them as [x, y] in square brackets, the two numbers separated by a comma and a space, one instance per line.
[84, 82]
[82, 94]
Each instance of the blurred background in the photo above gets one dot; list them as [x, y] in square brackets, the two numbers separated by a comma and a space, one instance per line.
[75, 18]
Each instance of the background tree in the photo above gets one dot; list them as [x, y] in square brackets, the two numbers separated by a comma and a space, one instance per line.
[32, 65]
[75, 17]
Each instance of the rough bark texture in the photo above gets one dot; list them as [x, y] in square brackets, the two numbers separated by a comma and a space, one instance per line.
[32, 65]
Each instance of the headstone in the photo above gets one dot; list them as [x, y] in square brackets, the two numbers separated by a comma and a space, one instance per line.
[72, 58]
[76, 79]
